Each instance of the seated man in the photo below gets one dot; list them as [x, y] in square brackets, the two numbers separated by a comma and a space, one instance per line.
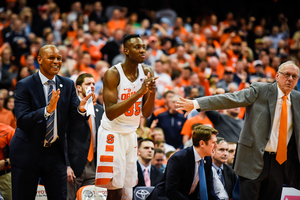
[148, 175]
[231, 153]
[158, 159]
[186, 178]
[224, 172]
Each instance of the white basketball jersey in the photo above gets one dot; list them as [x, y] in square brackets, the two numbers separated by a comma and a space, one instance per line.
[130, 120]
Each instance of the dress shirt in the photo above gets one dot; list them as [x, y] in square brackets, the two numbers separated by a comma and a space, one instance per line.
[218, 186]
[44, 81]
[273, 141]
[196, 174]
[217, 169]
[143, 168]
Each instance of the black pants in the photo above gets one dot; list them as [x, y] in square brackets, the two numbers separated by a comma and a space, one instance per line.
[50, 167]
[269, 183]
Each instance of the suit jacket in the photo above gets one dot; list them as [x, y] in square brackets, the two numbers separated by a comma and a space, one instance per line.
[229, 178]
[178, 178]
[78, 142]
[27, 143]
[260, 101]
[155, 175]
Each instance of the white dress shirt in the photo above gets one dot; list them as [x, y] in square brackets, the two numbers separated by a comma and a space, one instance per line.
[273, 141]
[44, 81]
[143, 168]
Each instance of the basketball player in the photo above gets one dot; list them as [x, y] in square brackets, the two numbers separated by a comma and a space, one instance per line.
[128, 91]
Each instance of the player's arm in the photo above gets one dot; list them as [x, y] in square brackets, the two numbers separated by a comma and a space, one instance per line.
[149, 97]
[110, 95]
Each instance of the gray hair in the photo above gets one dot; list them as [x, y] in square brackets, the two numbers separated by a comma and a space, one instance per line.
[288, 63]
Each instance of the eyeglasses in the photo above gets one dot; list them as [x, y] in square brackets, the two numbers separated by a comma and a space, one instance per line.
[288, 75]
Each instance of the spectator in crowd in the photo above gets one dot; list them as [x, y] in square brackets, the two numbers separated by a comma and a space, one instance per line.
[231, 153]
[225, 172]
[227, 79]
[41, 21]
[195, 83]
[68, 63]
[97, 15]
[185, 76]
[116, 21]
[6, 116]
[86, 64]
[181, 54]
[259, 71]
[82, 142]
[172, 122]
[158, 134]
[163, 78]
[9, 103]
[148, 174]
[6, 134]
[276, 35]
[6, 58]
[76, 9]
[268, 70]
[275, 63]
[17, 40]
[112, 47]
[5, 80]
[186, 163]
[154, 52]
[158, 159]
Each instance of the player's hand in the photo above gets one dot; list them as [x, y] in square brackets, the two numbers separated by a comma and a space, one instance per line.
[70, 175]
[149, 84]
[184, 104]
[53, 101]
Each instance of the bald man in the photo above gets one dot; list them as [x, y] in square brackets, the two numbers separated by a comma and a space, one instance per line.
[37, 148]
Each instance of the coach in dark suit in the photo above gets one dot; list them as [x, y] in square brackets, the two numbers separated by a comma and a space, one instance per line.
[34, 153]
[259, 162]
[180, 179]
[145, 153]
[82, 147]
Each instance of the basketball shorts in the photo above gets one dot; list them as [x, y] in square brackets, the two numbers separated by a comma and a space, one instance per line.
[116, 160]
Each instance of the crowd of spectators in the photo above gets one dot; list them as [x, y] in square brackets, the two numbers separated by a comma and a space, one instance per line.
[191, 58]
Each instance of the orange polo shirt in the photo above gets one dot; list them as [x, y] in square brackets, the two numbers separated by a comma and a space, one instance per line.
[6, 133]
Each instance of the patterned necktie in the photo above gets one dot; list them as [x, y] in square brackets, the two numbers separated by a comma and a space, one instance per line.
[281, 155]
[221, 176]
[202, 182]
[91, 150]
[147, 178]
[50, 120]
